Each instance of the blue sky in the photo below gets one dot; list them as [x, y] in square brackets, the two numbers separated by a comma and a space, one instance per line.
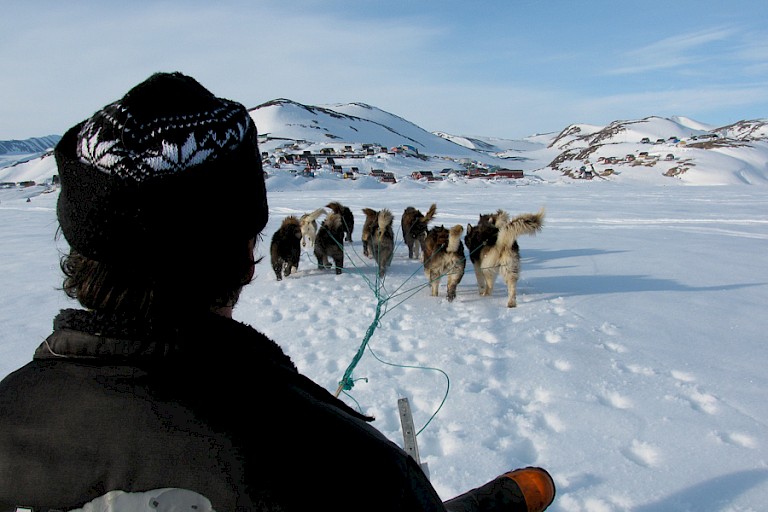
[494, 68]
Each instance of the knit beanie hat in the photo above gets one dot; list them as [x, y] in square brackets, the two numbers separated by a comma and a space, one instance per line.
[167, 171]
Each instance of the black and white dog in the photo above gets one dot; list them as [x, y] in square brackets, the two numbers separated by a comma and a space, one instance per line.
[493, 249]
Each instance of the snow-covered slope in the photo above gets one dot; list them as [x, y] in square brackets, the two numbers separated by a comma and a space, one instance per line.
[661, 150]
[354, 123]
[652, 150]
[10, 148]
[18, 151]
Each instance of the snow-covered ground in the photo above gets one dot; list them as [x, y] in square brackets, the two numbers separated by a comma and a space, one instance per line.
[633, 368]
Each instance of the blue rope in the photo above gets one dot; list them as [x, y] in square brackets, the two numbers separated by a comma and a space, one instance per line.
[346, 382]
[377, 287]
[447, 383]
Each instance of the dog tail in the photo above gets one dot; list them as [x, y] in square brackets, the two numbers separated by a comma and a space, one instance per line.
[498, 219]
[385, 219]
[525, 224]
[454, 238]
[335, 206]
[315, 214]
[430, 214]
[370, 212]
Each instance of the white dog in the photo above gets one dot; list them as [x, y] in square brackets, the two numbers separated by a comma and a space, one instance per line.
[308, 223]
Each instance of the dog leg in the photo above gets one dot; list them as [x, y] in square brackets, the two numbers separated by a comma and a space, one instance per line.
[454, 278]
[434, 282]
[512, 293]
[489, 277]
[383, 263]
[480, 278]
[511, 276]
[339, 262]
[452, 284]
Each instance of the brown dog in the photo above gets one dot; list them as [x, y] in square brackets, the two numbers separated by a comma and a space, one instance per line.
[285, 250]
[414, 225]
[348, 220]
[444, 255]
[329, 243]
[382, 241]
[494, 249]
[369, 226]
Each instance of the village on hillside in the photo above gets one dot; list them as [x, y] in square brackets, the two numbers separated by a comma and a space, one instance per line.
[350, 161]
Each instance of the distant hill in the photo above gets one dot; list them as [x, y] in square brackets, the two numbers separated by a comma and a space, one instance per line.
[284, 121]
[654, 149]
[28, 146]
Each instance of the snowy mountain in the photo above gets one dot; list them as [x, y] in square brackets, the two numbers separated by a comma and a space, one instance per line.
[28, 146]
[281, 121]
[745, 130]
[654, 150]
[14, 152]
[677, 149]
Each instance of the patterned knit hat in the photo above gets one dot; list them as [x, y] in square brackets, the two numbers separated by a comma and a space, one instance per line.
[167, 166]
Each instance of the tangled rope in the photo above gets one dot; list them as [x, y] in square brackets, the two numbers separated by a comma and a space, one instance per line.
[384, 304]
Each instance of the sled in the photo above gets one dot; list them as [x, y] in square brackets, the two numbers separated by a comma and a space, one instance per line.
[529, 489]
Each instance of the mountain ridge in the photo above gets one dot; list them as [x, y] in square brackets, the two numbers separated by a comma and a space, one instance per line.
[675, 147]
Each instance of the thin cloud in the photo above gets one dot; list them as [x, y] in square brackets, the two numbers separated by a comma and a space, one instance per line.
[672, 52]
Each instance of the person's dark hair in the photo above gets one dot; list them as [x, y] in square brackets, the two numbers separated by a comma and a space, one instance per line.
[161, 193]
[140, 290]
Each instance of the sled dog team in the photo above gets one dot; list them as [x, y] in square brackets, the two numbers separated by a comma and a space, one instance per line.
[491, 243]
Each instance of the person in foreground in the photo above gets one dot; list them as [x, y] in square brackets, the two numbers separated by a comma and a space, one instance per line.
[152, 397]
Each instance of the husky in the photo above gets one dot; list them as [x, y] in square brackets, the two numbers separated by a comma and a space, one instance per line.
[382, 241]
[414, 225]
[482, 235]
[371, 221]
[444, 255]
[284, 249]
[329, 242]
[308, 223]
[493, 249]
[348, 220]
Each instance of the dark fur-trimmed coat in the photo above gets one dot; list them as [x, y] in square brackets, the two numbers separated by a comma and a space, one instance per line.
[202, 403]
